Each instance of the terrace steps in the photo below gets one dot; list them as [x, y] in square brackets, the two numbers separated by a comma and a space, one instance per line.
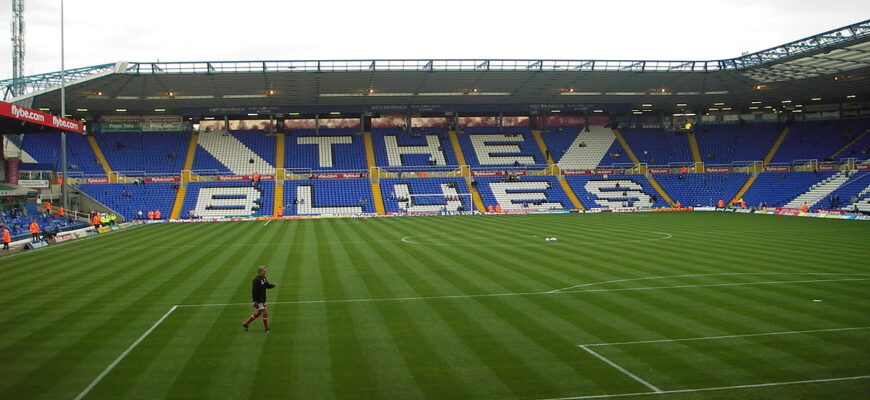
[853, 141]
[693, 144]
[571, 196]
[634, 159]
[543, 147]
[179, 201]
[767, 158]
[377, 196]
[101, 157]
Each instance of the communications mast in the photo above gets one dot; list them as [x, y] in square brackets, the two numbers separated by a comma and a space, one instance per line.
[17, 47]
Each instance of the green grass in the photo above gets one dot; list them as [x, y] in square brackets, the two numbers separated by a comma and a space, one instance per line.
[446, 308]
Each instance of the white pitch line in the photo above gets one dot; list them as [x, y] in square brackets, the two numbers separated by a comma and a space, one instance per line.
[124, 354]
[697, 275]
[709, 285]
[623, 370]
[713, 389]
[471, 296]
[409, 239]
[267, 222]
[856, 328]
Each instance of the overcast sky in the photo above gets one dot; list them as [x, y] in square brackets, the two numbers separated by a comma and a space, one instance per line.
[105, 31]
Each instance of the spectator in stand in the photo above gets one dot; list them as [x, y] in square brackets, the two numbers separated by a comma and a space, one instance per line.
[47, 205]
[150, 214]
[61, 212]
[157, 214]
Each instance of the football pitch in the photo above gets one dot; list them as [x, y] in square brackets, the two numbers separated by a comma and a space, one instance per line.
[664, 306]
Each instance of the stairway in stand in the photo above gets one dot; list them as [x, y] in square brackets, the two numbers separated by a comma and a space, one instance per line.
[819, 191]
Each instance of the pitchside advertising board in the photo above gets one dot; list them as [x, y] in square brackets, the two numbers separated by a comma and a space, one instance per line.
[147, 123]
[25, 114]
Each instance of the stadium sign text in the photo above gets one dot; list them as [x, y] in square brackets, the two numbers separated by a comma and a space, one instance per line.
[40, 118]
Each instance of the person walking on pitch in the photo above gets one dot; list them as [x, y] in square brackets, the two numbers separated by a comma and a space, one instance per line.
[258, 295]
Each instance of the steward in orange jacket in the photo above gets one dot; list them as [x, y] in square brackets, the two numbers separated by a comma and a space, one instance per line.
[7, 238]
[34, 231]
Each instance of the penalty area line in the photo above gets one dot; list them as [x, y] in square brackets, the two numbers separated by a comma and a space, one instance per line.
[124, 354]
[714, 389]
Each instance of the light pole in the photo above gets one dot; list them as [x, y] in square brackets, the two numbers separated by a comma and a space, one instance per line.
[64, 193]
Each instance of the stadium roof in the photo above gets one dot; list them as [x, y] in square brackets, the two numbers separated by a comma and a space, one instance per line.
[831, 68]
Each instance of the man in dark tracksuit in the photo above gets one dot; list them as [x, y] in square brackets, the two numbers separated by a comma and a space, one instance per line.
[258, 295]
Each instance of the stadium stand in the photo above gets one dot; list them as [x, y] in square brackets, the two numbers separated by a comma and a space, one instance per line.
[224, 153]
[596, 191]
[127, 198]
[328, 197]
[150, 153]
[529, 192]
[225, 199]
[307, 150]
[817, 139]
[724, 144]
[577, 148]
[657, 146]
[701, 189]
[428, 147]
[17, 223]
[45, 148]
[425, 195]
[820, 189]
[778, 189]
[486, 148]
[852, 192]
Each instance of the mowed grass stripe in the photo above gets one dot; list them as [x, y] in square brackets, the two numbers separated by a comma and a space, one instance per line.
[463, 363]
[445, 348]
[186, 268]
[164, 357]
[677, 326]
[115, 313]
[432, 355]
[231, 274]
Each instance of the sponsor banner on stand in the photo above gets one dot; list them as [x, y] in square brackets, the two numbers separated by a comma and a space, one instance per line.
[159, 179]
[788, 211]
[717, 170]
[566, 121]
[660, 170]
[705, 208]
[840, 212]
[498, 173]
[232, 178]
[605, 172]
[351, 175]
[862, 166]
[33, 183]
[104, 229]
[40, 118]
[141, 124]
[776, 168]
[96, 180]
[826, 167]
[576, 172]
[63, 237]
